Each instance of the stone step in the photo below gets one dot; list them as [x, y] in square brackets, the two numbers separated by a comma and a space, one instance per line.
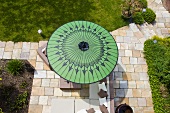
[147, 30]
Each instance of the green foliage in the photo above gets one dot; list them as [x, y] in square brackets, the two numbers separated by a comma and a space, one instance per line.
[138, 18]
[20, 102]
[149, 16]
[19, 38]
[23, 85]
[15, 67]
[1, 110]
[21, 20]
[157, 56]
[144, 3]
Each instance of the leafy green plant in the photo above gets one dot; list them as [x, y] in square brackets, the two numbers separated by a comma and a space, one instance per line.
[138, 18]
[157, 55]
[20, 102]
[15, 67]
[149, 16]
[129, 7]
[1, 110]
[23, 85]
[144, 3]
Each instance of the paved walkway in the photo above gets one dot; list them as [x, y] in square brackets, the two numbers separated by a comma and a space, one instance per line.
[131, 82]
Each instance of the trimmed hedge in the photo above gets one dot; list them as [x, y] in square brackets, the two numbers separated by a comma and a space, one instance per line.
[138, 18]
[157, 55]
[149, 16]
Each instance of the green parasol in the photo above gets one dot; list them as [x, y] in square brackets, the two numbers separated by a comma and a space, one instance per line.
[82, 52]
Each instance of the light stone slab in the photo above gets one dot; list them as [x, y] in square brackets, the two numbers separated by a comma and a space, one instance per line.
[43, 100]
[82, 104]
[40, 74]
[16, 54]
[26, 47]
[7, 55]
[1, 52]
[63, 105]
[123, 84]
[34, 99]
[46, 109]
[33, 54]
[45, 82]
[58, 92]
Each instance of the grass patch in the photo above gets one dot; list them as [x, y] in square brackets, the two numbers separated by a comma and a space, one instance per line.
[157, 56]
[20, 20]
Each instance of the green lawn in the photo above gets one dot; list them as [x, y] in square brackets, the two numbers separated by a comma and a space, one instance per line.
[20, 19]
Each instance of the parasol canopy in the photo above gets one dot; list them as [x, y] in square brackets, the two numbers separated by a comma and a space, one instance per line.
[82, 52]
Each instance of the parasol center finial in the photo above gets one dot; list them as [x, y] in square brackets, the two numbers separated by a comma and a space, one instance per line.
[84, 46]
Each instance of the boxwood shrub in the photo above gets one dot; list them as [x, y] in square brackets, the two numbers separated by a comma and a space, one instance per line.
[149, 16]
[138, 18]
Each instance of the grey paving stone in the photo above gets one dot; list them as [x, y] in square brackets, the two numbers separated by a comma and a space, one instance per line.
[34, 46]
[116, 84]
[139, 46]
[16, 54]
[2, 44]
[129, 33]
[7, 55]
[128, 93]
[34, 99]
[45, 82]
[50, 74]
[120, 93]
[123, 84]
[118, 76]
[36, 82]
[118, 45]
[43, 100]
[1, 52]
[40, 74]
[35, 109]
[144, 76]
[24, 55]
[54, 83]
[119, 39]
[56, 75]
[133, 60]
[58, 92]
[128, 52]
[123, 46]
[46, 109]
[131, 84]
[121, 52]
[18, 45]
[39, 66]
[26, 47]
[41, 43]
[33, 54]
[49, 91]
[141, 102]
[9, 46]
[141, 61]
[133, 27]
[127, 39]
